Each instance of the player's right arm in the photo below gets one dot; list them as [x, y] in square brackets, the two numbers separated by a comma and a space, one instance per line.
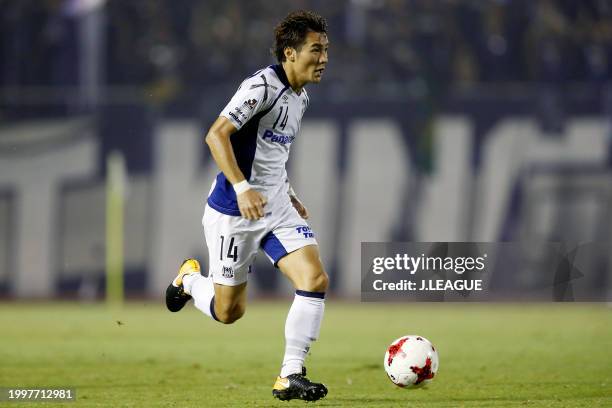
[250, 202]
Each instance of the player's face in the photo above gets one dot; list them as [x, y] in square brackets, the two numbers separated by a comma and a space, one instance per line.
[311, 59]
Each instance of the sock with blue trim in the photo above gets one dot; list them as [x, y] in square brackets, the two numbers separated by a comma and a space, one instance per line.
[301, 329]
[202, 289]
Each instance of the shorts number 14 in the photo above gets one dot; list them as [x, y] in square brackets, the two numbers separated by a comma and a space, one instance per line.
[232, 251]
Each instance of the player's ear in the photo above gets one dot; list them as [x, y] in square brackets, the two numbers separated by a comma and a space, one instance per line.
[289, 54]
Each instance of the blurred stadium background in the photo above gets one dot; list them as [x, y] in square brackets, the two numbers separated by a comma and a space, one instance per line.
[451, 120]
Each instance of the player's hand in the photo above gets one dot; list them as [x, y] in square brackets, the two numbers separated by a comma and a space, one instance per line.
[251, 204]
[301, 209]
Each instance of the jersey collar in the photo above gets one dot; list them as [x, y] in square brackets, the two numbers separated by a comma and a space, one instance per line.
[280, 73]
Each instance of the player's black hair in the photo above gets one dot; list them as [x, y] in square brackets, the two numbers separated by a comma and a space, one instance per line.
[292, 31]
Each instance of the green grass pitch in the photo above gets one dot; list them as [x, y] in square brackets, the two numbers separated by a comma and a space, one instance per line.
[491, 355]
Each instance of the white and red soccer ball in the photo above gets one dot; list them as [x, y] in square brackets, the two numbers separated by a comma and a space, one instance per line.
[411, 361]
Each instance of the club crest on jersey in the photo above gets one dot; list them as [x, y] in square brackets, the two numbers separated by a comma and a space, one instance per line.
[305, 230]
[227, 272]
[274, 138]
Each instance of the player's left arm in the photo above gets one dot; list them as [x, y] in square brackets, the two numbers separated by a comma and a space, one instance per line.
[297, 204]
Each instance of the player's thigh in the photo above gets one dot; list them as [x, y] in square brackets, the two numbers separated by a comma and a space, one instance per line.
[230, 299]
[232, 245]
[304, 269]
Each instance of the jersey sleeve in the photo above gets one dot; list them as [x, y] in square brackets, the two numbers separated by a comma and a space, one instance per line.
[251, 98]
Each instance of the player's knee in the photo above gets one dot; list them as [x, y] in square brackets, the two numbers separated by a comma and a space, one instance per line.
[319, 281]
[229, 315]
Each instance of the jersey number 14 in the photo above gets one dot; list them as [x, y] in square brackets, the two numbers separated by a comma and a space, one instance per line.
[284, 121]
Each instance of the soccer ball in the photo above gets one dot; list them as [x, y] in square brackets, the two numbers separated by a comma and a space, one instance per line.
[411, 361]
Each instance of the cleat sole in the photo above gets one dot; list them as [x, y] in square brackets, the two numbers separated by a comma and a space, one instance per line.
[313, 394]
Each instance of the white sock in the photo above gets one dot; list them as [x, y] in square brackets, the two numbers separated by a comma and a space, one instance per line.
[202, 290]
[301, 329]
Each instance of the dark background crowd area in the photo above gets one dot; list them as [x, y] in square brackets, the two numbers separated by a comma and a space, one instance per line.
[180, 48]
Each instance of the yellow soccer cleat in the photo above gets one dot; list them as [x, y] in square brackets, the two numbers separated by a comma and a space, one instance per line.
[297, 386]
[176, 297]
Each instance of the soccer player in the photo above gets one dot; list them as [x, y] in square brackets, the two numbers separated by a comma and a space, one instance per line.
[251, 204]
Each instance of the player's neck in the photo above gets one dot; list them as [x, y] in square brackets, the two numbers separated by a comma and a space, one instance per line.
[296, 85]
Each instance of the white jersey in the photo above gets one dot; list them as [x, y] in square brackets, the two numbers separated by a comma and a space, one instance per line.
[268, 115]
